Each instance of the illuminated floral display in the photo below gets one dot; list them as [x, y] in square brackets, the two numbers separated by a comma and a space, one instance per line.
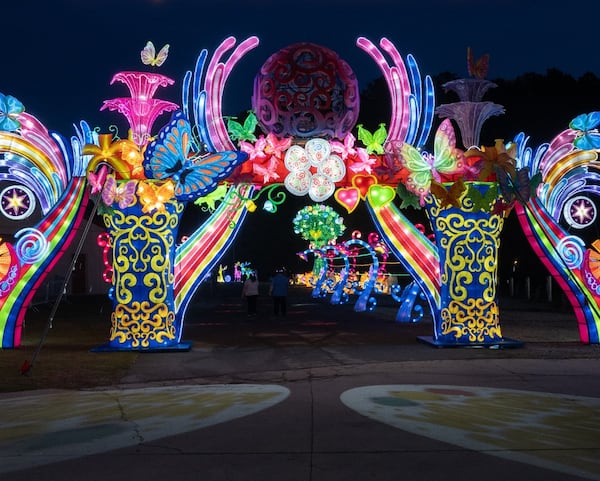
[143, 184]
[318, 224]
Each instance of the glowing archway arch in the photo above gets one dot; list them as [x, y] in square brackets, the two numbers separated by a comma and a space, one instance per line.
[60, 168]
[335, 167]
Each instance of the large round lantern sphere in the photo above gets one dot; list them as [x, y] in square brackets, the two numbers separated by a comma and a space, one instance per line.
[306, 91]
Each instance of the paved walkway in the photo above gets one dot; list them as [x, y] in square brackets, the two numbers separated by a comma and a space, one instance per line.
[324, 394]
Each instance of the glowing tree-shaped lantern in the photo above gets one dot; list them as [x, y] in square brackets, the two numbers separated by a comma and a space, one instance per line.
[320, 225]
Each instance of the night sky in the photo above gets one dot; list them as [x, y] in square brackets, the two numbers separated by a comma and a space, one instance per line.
[60, 56]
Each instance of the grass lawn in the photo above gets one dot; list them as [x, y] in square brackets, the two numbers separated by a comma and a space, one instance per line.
[65, 360]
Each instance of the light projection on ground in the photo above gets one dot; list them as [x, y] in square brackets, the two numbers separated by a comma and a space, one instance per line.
[89, 422]
[498, 422]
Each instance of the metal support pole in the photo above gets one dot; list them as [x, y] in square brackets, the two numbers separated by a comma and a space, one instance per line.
[29, 366]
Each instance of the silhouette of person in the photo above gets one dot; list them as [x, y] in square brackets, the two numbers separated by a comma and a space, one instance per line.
[279, 291]
[250, 292]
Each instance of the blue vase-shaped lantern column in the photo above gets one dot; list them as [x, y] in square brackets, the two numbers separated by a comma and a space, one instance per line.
[143, 247]
[468, 240]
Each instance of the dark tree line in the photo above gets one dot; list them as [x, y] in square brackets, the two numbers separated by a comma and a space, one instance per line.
[541, 106]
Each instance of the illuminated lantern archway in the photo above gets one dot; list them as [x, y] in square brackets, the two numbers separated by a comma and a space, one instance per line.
[304, 154]
[308, 148]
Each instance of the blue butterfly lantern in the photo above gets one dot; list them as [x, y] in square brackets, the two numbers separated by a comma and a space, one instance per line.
[588, 137]
[194, 175]
[10, 108]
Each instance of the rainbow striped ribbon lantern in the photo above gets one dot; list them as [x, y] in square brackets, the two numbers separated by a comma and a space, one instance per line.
[143, 251]
[467, 240]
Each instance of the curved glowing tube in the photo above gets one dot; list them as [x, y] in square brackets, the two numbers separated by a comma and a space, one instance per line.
[337, 297]
[363, 300]
[526, 156]
[427, 113]
[216, 77]
[394, 80]
[316, 292]
[560, 146]
[414, 76]
[202, 250]
[60, 161]
[193, 83]
[414, 113]
[74, 150]
[31, 165]
[417, 254]
[399, 123]
[407, 299]
[413, 106]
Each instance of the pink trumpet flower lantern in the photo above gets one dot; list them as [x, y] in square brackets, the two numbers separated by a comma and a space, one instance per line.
[141, 109]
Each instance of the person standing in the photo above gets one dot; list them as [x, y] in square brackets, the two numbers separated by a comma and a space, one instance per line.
[279, 291]
[250, 292]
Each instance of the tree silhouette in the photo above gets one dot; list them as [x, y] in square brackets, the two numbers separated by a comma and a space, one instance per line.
[541, 106]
